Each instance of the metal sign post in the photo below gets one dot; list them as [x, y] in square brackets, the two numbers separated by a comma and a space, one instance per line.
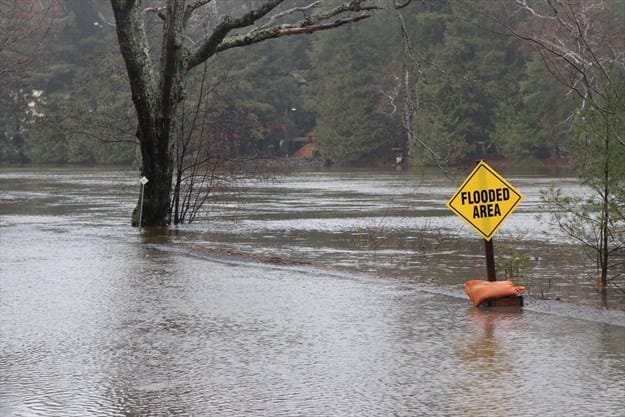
[144, 181]
[489, 253]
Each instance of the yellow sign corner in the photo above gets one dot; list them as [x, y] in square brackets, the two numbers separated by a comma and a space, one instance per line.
[484, 200]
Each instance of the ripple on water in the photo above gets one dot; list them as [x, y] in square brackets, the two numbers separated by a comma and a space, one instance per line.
[97, 320]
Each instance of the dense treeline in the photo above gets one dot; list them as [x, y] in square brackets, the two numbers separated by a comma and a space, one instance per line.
[476, 92]
[472, 90]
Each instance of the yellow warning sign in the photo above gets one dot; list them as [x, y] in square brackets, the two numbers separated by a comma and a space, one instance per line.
[484, 200]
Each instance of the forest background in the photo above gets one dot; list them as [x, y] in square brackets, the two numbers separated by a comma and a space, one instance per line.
[475, 91]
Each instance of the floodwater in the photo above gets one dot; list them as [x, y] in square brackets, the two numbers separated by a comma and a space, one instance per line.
[97, 318]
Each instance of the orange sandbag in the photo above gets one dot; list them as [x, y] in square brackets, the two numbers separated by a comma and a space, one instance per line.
[479, 290]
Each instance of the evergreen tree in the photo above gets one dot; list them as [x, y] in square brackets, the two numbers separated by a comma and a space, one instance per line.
[25, 29]
[531, 124]
[472, 72]
[352, 74]
[422, 26]
[75, 102]
[263, 85]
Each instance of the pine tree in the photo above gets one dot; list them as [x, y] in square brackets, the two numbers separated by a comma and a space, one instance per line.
[352, 76]
[472, 72]
[531, 124]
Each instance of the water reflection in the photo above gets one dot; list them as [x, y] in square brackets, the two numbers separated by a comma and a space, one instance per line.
[489, 378]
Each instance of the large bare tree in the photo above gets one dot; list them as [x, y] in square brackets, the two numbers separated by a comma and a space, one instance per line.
[156, 80]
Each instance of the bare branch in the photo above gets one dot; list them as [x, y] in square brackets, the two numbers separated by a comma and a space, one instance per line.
[157, 10]
[21, 21]
[219, 40]
[208, 47]
[193, 7]
[305, 27]
[576, 50]
[196, 5]
[272, 21]
[401, 4]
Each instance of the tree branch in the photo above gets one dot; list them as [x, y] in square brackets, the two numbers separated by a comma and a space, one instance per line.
[193, 7]
[208, 46]
[219, 40]
[566, 40]
[272, 21]
[157, 10]
[401, 4]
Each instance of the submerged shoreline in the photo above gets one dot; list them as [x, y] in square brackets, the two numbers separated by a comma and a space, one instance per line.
[556, 307]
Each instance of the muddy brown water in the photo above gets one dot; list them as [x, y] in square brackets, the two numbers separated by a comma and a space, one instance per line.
[97, 318]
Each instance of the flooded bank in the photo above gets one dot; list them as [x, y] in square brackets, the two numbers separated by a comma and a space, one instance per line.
[397, 224]
[97, 318]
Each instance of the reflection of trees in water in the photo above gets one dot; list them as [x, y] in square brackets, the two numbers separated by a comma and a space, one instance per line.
[487, 379]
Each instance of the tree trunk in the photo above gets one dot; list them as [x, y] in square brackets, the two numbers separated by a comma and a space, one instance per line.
[157, 168]
[155, 103]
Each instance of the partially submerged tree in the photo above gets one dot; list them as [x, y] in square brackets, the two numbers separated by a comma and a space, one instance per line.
[157, 83]
[583, 47]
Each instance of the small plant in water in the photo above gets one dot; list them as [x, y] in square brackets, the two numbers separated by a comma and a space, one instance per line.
[514, 263]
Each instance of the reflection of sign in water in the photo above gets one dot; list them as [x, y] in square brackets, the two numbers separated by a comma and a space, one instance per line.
[484, 200]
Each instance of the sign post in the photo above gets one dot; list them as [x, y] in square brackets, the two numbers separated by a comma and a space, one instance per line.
[489, 253]
[144, 181]
[484, 200]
